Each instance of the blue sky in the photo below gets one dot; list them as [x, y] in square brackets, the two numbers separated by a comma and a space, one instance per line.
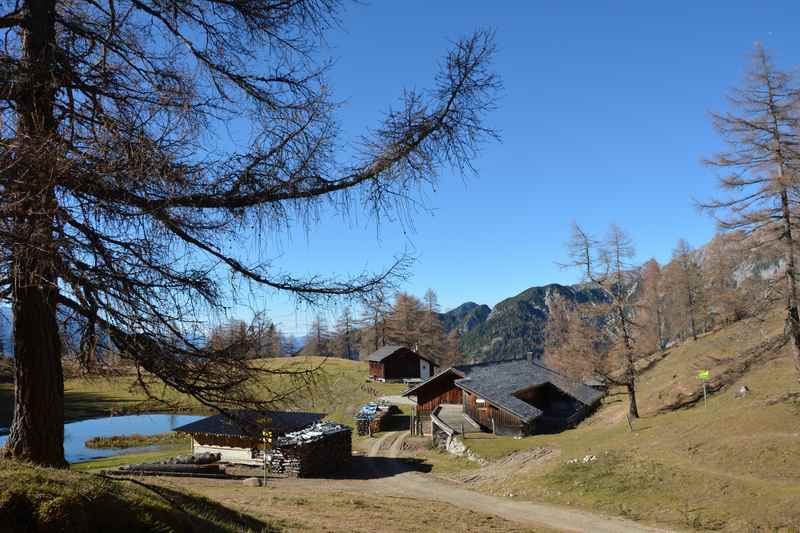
[603, 117]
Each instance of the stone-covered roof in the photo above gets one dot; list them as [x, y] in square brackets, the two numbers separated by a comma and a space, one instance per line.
[382, 353]
[499, 382]
[248, 423]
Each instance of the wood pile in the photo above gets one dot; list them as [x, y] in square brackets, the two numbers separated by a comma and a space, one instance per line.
[321, 449]
[373, 417]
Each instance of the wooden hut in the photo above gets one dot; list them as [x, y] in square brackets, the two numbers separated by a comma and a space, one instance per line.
[295, 443]
[440, 389]
[395, 363]
[517, 397]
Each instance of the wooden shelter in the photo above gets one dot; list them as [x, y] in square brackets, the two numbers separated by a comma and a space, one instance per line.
[440, 389]
[295, 443]
[517, 397]
[395, 363]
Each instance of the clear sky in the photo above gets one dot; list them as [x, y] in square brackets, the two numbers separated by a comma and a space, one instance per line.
[603, 117]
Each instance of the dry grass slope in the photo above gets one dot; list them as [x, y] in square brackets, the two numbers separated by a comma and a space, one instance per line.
[48, 500]
[734, 466]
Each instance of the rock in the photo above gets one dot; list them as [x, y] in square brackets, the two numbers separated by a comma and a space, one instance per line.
[456, 447]
[252, 482]
[207, 458]
[742, 392]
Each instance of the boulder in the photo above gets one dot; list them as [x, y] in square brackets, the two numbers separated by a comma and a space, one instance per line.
[252, 482]
[742, 392]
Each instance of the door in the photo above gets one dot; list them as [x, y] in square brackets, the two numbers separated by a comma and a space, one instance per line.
[424, 369]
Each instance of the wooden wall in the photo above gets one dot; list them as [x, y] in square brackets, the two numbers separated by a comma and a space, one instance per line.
[492, 418]
[402, 364]
[442, 390]
[375, 370]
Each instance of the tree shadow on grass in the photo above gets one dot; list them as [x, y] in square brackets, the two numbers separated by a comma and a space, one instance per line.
[40, 499]
[202, 514]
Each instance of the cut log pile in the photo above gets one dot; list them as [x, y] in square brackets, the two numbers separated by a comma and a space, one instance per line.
[373, 417]
[323, 448]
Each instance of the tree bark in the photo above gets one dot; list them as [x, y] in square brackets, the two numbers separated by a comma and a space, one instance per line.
[792, 315]
[37, 432]
[633, 408]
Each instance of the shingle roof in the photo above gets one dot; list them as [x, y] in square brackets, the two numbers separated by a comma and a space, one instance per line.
[498, 382]
[412, 391]
[246, 422]
[382, 353]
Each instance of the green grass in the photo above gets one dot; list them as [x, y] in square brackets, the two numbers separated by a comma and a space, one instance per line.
[43, 499]
[690, 468]
[150, 456]
[135, 441]
[340, 389]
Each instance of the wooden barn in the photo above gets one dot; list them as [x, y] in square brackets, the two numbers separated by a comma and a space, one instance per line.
[395, 363]
[440, 389]
[295, 443]
[518, 397]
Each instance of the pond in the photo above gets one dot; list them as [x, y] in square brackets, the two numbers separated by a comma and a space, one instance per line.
[77, 433]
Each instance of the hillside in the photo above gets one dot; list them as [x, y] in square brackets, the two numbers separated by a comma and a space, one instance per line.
[43, 499]
[464, 317]
[690, 468]
[516, 325]
[339, 388]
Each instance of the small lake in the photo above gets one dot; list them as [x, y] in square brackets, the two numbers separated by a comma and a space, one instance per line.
[77, 433]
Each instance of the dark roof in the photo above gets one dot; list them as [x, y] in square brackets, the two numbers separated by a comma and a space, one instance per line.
[250, 423]
[444, 372]
[499, 382]
[387, 351]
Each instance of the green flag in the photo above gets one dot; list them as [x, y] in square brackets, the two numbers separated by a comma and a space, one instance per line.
[704, 375]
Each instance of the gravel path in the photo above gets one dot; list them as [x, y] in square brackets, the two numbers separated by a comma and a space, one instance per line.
[429, 488]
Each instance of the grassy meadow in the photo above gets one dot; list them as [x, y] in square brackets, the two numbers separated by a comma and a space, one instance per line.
[733, 466]
[340, 387]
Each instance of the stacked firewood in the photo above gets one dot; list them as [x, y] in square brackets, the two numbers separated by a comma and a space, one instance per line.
[327, 453]
[373, 417]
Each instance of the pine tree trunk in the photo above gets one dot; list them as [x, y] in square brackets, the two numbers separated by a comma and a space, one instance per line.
[792, 315]
[633, 410]
[37, 432]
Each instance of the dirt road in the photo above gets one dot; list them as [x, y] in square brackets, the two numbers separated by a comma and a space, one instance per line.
[384, 473]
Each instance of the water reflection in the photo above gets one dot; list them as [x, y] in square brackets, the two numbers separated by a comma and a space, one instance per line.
[77, 433]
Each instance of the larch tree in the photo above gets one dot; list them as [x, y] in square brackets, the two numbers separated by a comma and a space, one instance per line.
[376, 307]
[761, 171]
[574, 339]
[606, 265]
[452, 354]
[687, 285]
[318, 339]
[120, 205]
[404, 320]
[725, 299]
[651, 307]
[432, 341]
[345, 339]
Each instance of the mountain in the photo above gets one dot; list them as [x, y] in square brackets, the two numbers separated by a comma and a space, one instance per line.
[515, 326]
[464, 317]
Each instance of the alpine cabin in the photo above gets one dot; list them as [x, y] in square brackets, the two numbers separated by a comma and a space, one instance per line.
[518, 397]
[396, 363]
